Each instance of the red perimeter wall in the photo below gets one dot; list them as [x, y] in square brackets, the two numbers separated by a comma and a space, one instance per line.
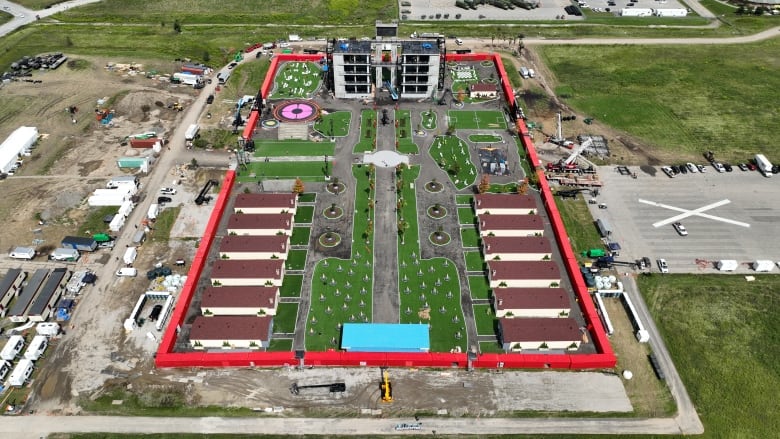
[604, 359]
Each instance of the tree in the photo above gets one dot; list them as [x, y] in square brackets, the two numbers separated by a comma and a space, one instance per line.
[206, 56]
[484, 184]
[298, 186]
[522, 188]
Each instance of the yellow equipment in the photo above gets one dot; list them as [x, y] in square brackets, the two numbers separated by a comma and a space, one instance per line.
[387, 389]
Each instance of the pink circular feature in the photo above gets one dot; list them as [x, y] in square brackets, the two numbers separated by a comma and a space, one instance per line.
[296, 111]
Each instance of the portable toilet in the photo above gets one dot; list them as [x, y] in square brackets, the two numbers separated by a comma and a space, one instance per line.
[37, 347]
[21, 373]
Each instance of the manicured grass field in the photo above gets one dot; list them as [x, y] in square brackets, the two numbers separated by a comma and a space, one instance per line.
[508, 188]
[298, 148]
[334, 124]
[300, 236]
[452, 155]
[428, 119]
[286, 314]
[341, 289]
[476, 120]
[426, 281]
[304, 214]
[403, 132]
[245, 79]
[296, 80]
[296, 259]
[367, 143]
[306, 171]
[474, 261]
[280, 345]
[466, 215]
[689, 100]
[485, 319]
[464, 200]
[291, 286]
[722, 337]
[307, 197]
[485, 138]
[479, 287]
[470, 237]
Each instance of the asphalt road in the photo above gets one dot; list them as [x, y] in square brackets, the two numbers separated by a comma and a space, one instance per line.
[23, 16]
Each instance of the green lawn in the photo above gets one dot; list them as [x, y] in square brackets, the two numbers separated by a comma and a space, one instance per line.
[470, 237]
[163, 224]
[368, 121]
[304, 214]
[286, 148]
[296, 259]
[93, 223]
[428, 120]
[403, 132]
[341, 288]
[579, 224]
[300, 236]
[426, 281]
[485, 319]
[283, 345]
[485, 138]
[474, 261]
[286, 314]
[306, 171]
[479, 287]
[493, 347]
[467, 216]
[689, 100]
[452, 155]
[296, 80]
[509, 188]
[291, 286]
[245, 79]
[476, 120]
[334, 124]
[308, 197]
[464, 200]
[722, 333]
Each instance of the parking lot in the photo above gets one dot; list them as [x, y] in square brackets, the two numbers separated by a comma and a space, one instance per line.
[735, 218]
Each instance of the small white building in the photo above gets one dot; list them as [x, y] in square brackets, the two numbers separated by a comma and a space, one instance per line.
[18, 143]
[36, 348]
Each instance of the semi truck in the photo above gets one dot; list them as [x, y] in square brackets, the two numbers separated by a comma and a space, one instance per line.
[764, 165]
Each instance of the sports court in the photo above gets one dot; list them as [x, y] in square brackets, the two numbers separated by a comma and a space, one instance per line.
[476, 120]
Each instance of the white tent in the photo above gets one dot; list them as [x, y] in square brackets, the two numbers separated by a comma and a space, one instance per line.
[19, 142]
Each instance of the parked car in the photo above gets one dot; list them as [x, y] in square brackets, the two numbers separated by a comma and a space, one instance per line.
[727, 167]
[168, 191]
[662, 265]
[680, 229]
[719, 166]
[692, 168]
[683, 169]
[163, 200]
[675, 169]
[752, 166]
[743, 167]
[210, 99]
[668, 171]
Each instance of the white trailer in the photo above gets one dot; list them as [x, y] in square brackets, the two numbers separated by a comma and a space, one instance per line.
[188, 78]
[65, 254]
[763, 266]
[116, 223]
[671, 12]
[764, 165]
[727, 265]
[130, 254]
[12, 348]
[21, 373]
[22, 253]
[37, 347]
[636, 12]
[154, 209]
[48, 329]
[192, 132]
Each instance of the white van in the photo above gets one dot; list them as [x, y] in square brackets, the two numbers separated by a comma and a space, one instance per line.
[21, 373]
[524, 73]
[12, 348]
[37, 347]
[127, 272]
[458, 41]
[22, 253]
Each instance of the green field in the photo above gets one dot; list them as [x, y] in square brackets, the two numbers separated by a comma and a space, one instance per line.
[428, 120]
[306, 171]
[296, 80]
[300, 235]
[334, 124]
[485, 138]
[246, 79]
[403, 132]
[291, 286]
[476, 120]
[689, 100]
[452, 155]
[723, 337]
[292, 148]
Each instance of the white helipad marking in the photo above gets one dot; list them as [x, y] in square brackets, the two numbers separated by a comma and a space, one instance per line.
[695, 212]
